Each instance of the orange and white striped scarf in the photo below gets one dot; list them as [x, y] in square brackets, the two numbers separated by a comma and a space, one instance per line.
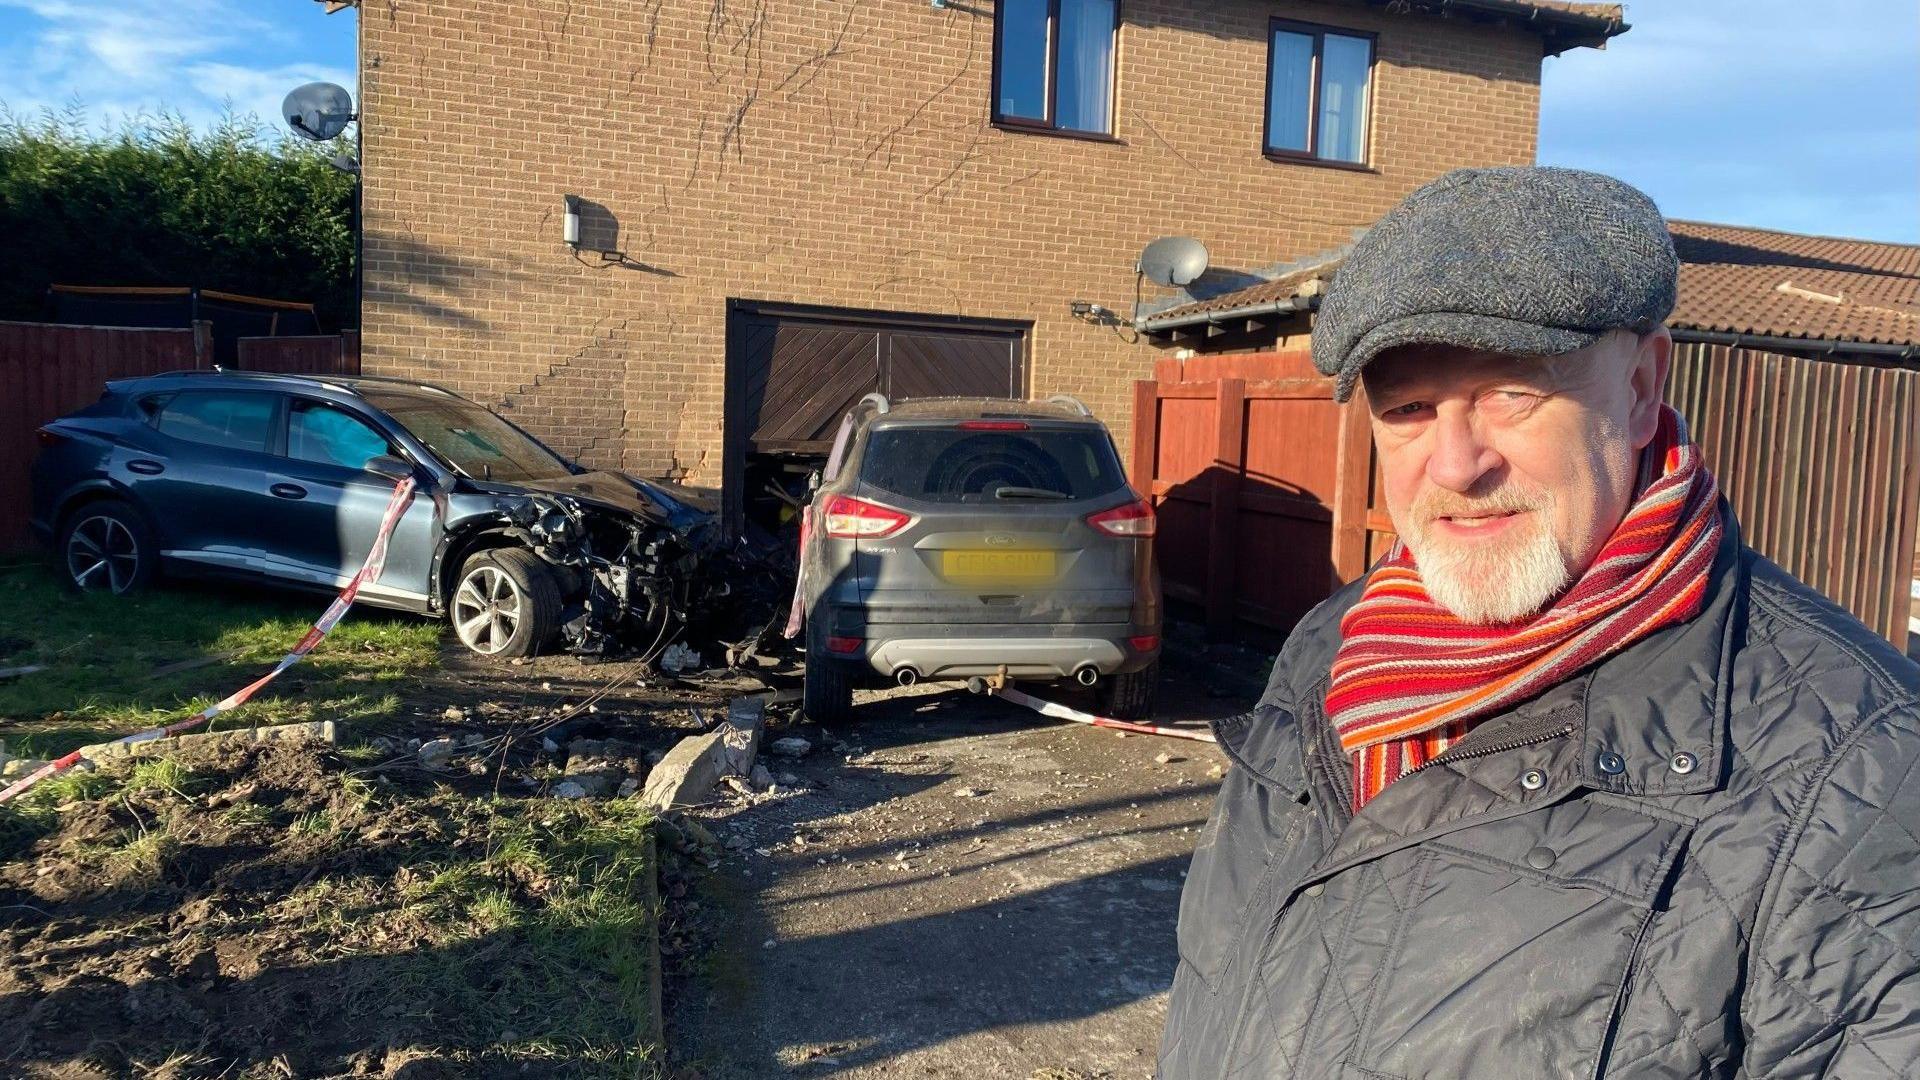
[1411, 679]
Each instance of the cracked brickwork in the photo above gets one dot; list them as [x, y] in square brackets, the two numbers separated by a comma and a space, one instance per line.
[835, 152]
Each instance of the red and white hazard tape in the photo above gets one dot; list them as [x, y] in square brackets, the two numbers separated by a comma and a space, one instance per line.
[1061, 712]
[369, 571]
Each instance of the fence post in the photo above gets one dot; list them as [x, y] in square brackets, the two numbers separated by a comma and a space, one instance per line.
[202, 345]
[1223, 539]
[350, 352]
[1146, 435]
[1352, 476]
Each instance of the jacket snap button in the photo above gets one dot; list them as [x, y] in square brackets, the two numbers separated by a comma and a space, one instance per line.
[1683, 763]
[1533, 779]
[1612, 764]
[1315, 889]
[1540, 858]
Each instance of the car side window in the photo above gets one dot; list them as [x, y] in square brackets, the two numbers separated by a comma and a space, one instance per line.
[238, 421]
[332, 436]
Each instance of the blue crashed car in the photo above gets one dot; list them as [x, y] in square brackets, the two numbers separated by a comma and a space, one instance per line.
[284, 479]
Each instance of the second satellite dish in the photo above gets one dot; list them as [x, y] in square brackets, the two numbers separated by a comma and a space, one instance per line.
[1174, 261]
[318, 111]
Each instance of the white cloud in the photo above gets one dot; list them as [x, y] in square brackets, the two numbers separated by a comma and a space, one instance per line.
[1759, 112]
[119, 58]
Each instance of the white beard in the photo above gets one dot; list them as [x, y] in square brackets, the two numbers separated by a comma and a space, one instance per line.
[1497, 580]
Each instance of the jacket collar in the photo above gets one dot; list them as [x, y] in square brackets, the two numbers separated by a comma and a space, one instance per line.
[1661, 704]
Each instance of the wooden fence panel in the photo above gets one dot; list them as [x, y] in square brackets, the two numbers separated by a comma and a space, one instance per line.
[1264, 513]
[49, 370]
[320, 354]
[1818, 460]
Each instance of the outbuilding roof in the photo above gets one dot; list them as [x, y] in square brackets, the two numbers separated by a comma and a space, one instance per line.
[1734, 279]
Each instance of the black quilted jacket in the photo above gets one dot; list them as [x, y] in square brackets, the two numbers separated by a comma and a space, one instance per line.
[1699, 859]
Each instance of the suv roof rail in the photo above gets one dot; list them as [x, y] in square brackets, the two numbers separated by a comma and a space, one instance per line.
[878, 401]
[399, 381]
[1071, 402]
[338, 382]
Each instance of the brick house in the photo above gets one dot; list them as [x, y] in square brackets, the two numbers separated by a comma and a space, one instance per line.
[784, 205]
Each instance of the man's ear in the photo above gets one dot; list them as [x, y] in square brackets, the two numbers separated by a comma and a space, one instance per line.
[1647, 382]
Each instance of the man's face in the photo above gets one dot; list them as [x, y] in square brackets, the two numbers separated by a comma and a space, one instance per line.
[1505, 475]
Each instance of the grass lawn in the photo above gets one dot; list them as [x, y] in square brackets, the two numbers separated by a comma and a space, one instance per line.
[267, 910]
[101, 655]
[256, 913]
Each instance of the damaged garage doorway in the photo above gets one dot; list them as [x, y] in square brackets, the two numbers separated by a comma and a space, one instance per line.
[794, 370]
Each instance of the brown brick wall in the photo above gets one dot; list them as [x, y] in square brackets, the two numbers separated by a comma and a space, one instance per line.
[838, 153]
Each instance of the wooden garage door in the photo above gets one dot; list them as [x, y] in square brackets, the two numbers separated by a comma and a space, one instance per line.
[793, 374]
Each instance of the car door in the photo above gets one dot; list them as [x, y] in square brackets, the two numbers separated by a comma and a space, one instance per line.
[330, 507]
[202, 479]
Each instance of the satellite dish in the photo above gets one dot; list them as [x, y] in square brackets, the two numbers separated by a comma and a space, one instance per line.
[318, 111]
[1174, 261]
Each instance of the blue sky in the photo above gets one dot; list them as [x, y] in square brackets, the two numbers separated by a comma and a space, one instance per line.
[1787, 115]
[191, 57]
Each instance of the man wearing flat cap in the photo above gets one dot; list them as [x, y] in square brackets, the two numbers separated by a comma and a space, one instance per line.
[1573, 783]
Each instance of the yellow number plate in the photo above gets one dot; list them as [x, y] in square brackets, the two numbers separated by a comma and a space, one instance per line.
[997, 565]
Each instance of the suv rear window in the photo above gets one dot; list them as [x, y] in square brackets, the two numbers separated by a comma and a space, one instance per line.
[953, 465]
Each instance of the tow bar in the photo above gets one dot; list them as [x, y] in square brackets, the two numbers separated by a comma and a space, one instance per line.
[1000, 686]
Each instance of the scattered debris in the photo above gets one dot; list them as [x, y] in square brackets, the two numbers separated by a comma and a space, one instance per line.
[455, 713]
[968, 793]
[678, 658]
[434, 754]
[793, 746]
[1168, 759]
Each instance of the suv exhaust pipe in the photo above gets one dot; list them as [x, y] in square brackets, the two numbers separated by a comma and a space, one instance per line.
[905, 675]
[1087, 675]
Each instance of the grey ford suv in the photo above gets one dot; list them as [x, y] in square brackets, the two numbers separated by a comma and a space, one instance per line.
[951, 537]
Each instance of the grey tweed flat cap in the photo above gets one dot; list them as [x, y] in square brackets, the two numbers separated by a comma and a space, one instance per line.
[1528, 261]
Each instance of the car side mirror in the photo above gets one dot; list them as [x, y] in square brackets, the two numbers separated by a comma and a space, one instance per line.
[388, 466]
[813, 481]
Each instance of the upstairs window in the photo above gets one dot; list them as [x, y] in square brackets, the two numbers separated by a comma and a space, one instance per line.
[1319, 89]
[1053, 64]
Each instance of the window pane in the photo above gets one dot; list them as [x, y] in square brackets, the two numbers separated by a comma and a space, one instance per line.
[1291, 91]
[239, 421]
[325, 434]
[947, 466]
[1343, 98]
[1022, 27]
[1085, 100]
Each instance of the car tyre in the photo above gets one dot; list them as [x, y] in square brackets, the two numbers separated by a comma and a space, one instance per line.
[826, 693]
[505, 604]
[1129, 696]
[106, 547]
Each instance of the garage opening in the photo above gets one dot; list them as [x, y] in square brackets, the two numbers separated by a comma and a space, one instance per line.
[793, 371]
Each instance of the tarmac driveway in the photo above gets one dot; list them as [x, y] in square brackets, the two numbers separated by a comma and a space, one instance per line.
[964, 889]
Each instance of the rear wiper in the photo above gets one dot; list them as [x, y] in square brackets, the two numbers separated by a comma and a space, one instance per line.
[1028, 493]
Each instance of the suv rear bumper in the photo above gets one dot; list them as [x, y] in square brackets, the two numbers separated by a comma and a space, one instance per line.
[938, 653]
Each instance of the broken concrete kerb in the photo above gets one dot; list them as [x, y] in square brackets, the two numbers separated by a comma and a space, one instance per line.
[686, 776]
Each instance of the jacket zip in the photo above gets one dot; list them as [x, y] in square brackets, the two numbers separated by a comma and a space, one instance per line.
[1463, 750]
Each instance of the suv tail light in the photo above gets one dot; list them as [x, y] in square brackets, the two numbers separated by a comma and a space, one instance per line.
[993, 425]
[850, 518]
[1132, 519]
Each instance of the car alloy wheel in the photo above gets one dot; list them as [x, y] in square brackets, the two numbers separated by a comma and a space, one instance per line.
[487, 609]
[102, 554]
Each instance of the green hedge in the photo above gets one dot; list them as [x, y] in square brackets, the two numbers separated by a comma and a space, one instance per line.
[159, 203]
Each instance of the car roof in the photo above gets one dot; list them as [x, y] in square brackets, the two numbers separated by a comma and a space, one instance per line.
[354, 385]
[980, 408]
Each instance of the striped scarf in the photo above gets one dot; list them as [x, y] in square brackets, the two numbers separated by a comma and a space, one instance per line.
[1411, 679]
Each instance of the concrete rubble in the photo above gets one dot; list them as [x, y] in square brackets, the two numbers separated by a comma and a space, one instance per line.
[687, 774]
